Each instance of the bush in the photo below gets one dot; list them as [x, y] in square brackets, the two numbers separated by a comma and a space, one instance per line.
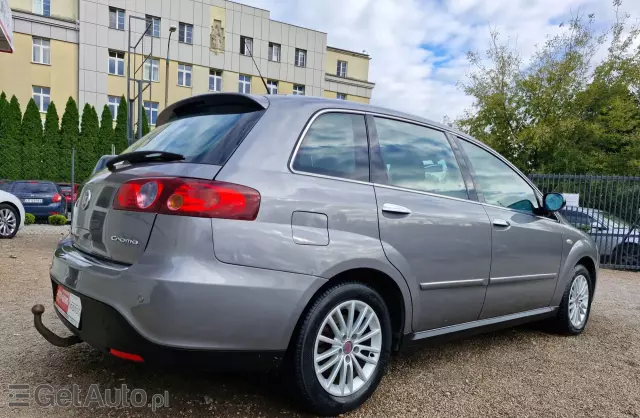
[57, 220]
[29, 219]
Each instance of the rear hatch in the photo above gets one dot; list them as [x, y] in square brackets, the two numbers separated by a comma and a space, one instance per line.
[35, 194]
[204, 131]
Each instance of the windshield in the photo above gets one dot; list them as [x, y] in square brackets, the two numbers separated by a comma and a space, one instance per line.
[609, 219]
[205, 139]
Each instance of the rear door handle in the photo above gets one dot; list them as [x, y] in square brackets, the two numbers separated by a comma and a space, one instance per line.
[501, 222]
[391, 208]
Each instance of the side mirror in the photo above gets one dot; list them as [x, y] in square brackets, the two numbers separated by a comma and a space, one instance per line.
[553, 202]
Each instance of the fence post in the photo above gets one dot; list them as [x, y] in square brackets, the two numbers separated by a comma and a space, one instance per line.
[73, 181]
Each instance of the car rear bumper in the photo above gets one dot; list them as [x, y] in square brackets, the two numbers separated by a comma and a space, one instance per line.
[46, 210]
[161, 304]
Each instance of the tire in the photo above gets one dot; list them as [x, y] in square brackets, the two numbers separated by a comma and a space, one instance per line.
[9, 221]
[563, 322]
[327, 399]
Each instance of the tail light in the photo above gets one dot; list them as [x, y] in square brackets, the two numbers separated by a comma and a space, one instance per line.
[56, 198]
[189, 197]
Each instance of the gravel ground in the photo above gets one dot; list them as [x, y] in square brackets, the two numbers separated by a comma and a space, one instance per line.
[44, 229]
[521, 372]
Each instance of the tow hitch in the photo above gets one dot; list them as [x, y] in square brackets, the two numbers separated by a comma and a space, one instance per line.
[48, 335]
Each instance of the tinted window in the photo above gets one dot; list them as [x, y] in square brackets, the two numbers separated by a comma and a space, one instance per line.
[5, 186]
[33, 188]
[204, 139]
[419, 158]
[335, 145]
[499, 184]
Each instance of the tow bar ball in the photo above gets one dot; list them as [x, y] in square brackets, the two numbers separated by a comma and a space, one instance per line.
[37, 311]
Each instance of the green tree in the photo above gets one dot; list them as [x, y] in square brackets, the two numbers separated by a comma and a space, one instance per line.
[10, 150]
[145, 125]
[105, 136]
[70, 126]
[3, 104]
[31, 135]
[120, 131]
[86, 147]
[53, 168]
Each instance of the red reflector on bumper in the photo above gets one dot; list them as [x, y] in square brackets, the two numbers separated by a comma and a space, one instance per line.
[126, 356]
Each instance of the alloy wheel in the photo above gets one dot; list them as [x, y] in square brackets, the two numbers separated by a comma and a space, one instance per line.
[8, 222]
[347, 348]
[578, 301]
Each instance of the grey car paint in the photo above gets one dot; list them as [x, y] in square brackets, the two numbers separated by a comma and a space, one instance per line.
[199, 283]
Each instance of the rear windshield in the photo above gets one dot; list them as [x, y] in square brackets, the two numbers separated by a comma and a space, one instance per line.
[19, 187]
[204, 139]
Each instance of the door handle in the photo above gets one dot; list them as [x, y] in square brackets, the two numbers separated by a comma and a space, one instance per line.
[391, 208]
[500, 222]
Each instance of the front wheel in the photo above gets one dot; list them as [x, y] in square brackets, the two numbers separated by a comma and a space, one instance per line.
[9, 221]
[576, 303]
[342, 349]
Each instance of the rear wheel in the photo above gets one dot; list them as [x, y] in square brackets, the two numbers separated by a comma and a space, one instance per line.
[575, 307]
[342, 349]
[9, 221]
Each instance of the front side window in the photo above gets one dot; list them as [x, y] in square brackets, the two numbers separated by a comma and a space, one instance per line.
[246, 46]
[184, 75]
[335, 145]
[42, 7]
[301, 58]
[215, 80]
[498, 183]
[153, 23]
[244, 84]
[341, 96]
[272, 85]
[116, 63]
[274, 52]
[152, 112]
[185, 33]
[420, 158]
[116, 18]
[341, 71]
[298, 90]
[114, 102]
[151, 70]
[41, 51]
[42, 97]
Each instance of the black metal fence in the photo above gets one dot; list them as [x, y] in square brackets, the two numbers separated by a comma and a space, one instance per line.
[607, 208]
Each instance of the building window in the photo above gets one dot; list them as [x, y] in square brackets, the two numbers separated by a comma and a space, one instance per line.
[272, 85]
[342, 69]
[185, 33]
[274, 52]
[244, 84]
[116, 63]
[298, 90]
[42, 7]
[154, 29]
[301, 58]
[114, 102]
[246, 46]
[152, 112]
[215, 80]
[151, 71]
[184, 75]
[41, 51]
[42, 97]
[341, 96]
[116, 18]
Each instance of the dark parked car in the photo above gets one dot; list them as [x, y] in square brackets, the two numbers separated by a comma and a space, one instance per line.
[248, 231]
[40, 198]
[69, 193]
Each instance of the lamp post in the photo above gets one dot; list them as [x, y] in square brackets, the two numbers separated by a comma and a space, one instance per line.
[166, 84]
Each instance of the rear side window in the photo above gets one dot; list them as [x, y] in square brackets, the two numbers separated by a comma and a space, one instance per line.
[420, 158]
[203, 139]
[335, 145]
[34, 188]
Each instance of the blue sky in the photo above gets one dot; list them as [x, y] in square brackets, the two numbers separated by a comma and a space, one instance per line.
[419, 47]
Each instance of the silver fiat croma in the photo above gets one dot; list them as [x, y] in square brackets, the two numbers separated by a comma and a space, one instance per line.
[250, 231]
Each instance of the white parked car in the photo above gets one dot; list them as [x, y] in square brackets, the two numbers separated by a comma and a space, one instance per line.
[11, 215]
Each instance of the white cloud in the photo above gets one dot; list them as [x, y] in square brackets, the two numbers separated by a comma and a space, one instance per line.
[395, 33]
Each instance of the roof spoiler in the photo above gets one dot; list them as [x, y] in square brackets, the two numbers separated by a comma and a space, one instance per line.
[218, 103]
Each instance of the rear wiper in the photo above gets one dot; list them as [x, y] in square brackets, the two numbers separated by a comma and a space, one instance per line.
[144, 157]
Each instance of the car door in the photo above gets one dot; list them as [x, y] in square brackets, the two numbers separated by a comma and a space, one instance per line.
[526, 249]
[431, 231]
